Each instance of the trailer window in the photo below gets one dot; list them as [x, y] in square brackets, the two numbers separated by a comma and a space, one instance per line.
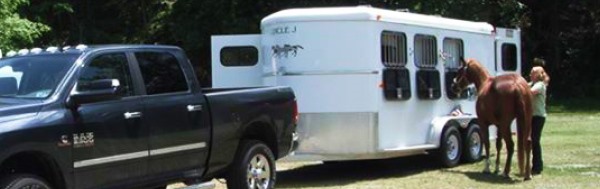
[393, 49]
[239, 56]
[509, 57]
[453, 51]
[396, 84]
[425, 51]
[428, 84]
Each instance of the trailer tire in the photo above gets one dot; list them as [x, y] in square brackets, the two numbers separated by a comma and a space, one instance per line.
[472, 144]
[253, 165]
[450, 149]
[24, 181]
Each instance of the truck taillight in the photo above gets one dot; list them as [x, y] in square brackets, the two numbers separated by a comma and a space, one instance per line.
[295, 113]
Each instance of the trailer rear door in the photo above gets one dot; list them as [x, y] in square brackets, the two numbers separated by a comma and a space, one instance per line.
[508, 51]
[236, 61]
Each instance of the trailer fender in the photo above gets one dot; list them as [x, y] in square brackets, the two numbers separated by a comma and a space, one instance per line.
[439, 123]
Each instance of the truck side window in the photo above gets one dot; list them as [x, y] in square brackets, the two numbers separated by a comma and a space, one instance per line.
[107, 66]
[161, 72]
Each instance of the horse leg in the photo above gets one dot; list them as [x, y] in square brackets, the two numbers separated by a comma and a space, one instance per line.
[510, 148]
[498, 150]
[486, 144]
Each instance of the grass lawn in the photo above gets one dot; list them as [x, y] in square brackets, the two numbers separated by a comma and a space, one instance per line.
[571, 146]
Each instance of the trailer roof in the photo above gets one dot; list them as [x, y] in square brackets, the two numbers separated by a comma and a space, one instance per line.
[365, 13]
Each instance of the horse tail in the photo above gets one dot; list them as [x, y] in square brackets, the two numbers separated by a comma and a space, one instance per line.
[524, 110]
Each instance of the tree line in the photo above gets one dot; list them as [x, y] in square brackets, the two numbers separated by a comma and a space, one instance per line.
[565, 33]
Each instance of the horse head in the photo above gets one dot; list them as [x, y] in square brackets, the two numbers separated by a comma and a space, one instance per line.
[461, 81]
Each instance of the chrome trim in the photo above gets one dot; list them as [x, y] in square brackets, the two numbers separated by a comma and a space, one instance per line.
[193, 108]
[335, 72]
[177, 148]
[131, 115]
[135, 155]
[109, 159]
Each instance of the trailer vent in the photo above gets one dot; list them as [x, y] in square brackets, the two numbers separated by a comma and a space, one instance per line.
[393, 49]
[428, 84]
[396, 84]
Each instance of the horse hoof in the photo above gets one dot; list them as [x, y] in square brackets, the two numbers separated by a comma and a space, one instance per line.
[527, 179]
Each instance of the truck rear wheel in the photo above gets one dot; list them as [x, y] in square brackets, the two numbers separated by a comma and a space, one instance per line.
[450, 147]
[22, 181]
[253, 167]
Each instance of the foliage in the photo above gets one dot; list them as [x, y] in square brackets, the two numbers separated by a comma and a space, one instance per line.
[15, 31]
[565, 33]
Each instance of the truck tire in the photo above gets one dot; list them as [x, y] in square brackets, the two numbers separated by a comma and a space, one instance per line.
[24, 181]
[253, 167]
[450, 147]
[472, 144]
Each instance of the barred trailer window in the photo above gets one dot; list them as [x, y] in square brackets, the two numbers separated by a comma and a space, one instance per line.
[425, 51]
[453, 50]
[393, 49]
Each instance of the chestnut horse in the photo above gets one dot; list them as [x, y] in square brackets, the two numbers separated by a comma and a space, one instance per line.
[500, 100]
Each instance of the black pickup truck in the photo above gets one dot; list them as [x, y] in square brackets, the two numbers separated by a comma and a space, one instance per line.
[133, 116]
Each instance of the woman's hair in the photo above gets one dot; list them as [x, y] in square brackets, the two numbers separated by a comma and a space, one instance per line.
[541, 74]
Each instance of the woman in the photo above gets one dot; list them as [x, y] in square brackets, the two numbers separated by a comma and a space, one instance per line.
[538, 84]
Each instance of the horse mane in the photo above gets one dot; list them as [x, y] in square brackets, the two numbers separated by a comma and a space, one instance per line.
[476, 72]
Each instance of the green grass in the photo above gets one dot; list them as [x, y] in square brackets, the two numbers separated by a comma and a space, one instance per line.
[571, 144]
[570, 141]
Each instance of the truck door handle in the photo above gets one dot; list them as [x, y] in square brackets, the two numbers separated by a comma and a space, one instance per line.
[193, 108]
[132, 115]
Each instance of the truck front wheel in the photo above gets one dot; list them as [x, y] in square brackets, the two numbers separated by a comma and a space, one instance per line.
[21, 181]
[253, 167]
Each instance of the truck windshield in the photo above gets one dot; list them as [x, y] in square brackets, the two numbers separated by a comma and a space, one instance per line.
[33, 76]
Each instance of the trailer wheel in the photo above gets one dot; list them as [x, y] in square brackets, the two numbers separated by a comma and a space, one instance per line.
[253, 167]
[450, 147]
[21, 181]
[473, 144]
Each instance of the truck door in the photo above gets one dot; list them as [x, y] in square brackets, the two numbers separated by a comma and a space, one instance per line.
[174, 112]
[236, 61]
[508, 51]
[109, 143]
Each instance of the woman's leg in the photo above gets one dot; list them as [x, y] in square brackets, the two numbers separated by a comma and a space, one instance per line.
[537, 126]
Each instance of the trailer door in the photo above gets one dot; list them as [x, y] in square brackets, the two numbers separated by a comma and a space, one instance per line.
[236, 61]
[508, 51]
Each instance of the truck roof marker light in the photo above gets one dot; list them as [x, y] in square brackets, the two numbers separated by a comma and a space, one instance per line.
[52, 49]
[11, 53]
[36, 51]
[66, 48]
[23, 52]
[81, 47]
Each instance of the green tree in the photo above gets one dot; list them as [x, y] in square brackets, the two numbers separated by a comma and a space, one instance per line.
[17, 32]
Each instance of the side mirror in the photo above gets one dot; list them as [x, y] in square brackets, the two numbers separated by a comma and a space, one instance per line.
[94, 91]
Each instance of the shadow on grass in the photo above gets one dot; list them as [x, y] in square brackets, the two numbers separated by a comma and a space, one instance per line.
[486, 177]
[344, 173]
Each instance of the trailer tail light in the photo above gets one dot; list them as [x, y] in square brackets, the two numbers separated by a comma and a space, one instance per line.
[295, 113]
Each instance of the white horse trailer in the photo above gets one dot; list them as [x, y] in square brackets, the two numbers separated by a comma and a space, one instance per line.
[370, 83]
